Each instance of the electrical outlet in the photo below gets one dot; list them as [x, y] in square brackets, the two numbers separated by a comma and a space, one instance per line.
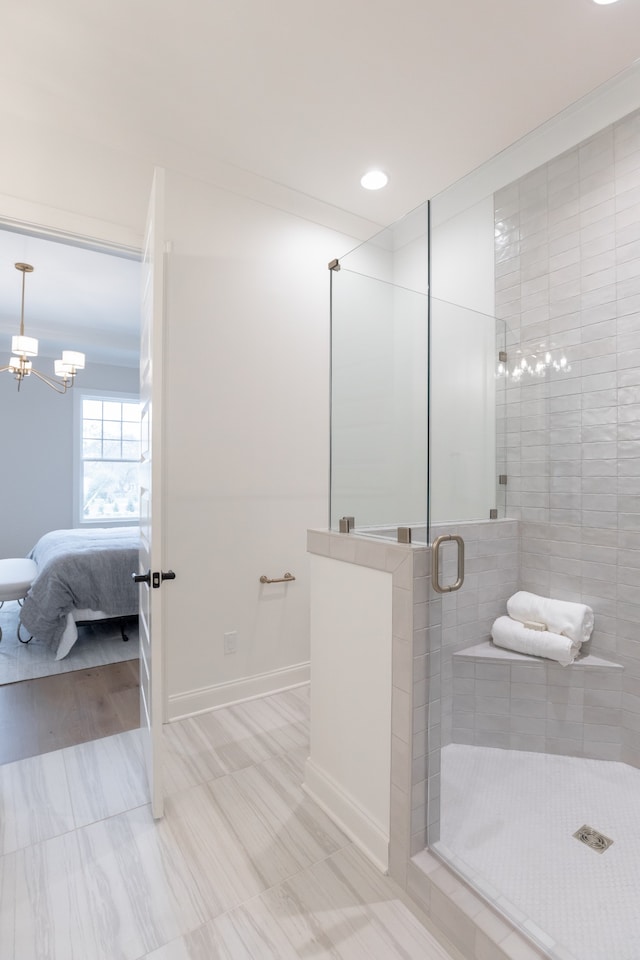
[231, 642]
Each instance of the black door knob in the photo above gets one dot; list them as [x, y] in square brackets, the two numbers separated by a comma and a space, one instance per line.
[141, 577]
[168, 575]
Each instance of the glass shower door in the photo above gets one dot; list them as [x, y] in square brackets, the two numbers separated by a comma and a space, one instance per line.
[467, 506]
[482, 714]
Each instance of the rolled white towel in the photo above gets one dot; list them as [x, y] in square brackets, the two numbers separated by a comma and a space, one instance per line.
[513, 635]
[574, 620]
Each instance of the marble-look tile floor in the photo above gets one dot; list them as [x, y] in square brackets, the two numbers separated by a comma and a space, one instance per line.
[243, 866]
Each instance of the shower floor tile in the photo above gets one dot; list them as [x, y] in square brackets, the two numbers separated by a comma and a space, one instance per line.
[508, 818]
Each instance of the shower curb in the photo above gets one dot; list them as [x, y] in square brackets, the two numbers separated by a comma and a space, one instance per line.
[472, 924]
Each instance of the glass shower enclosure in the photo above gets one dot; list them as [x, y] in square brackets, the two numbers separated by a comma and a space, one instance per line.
[486, 386]
[379, 378]
[391, 464]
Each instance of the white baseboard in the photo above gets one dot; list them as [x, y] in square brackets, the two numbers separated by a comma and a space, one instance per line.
[188, 704]
[347, 814]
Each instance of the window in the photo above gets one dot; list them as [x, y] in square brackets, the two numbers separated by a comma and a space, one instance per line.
[109, 459]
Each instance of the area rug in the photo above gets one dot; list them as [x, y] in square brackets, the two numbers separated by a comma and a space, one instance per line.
[98, 643]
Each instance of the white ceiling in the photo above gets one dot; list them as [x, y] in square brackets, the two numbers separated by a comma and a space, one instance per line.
[75, 299]
[305, 94]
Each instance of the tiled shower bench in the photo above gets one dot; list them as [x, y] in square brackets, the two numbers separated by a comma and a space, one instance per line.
[519, 702]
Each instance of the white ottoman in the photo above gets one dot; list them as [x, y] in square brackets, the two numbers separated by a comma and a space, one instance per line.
[16, 576]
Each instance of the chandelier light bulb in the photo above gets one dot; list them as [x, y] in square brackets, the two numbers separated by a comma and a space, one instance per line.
[73, 359]
[24, 347]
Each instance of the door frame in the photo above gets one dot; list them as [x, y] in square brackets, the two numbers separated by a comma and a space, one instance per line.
[48, 223]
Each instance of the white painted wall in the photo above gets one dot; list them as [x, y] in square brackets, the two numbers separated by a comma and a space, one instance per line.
[462, 253]
[349, 768]
[253, 416]
[249, 283]
[36, 427]
[246, 436]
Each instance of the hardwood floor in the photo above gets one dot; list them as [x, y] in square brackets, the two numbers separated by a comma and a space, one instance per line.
[37, 716]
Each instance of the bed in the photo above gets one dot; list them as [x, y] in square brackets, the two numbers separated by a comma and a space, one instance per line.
[83, 575]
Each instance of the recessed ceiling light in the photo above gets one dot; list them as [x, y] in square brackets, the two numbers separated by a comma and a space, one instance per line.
[374, 180]
[605, 1]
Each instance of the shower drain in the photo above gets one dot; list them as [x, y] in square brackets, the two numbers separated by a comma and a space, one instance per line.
[597, 841]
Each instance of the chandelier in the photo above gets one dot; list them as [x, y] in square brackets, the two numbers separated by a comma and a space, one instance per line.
[23, 348]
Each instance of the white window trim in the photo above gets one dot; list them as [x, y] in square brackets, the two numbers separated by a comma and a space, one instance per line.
[78, 396]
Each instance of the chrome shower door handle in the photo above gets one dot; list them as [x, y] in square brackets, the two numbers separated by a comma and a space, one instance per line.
[435, 549]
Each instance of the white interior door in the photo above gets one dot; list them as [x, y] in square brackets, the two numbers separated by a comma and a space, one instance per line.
[150, 559]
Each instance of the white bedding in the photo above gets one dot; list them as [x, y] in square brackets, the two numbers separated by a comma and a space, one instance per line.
[70, 634]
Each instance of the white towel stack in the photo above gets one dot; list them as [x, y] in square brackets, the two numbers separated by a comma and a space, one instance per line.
[573, 620]
[543, 627]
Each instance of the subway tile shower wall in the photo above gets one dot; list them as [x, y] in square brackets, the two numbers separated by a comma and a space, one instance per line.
[538, 706]
[567, 261]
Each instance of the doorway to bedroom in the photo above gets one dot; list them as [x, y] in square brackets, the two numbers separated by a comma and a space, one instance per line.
[85, 298]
